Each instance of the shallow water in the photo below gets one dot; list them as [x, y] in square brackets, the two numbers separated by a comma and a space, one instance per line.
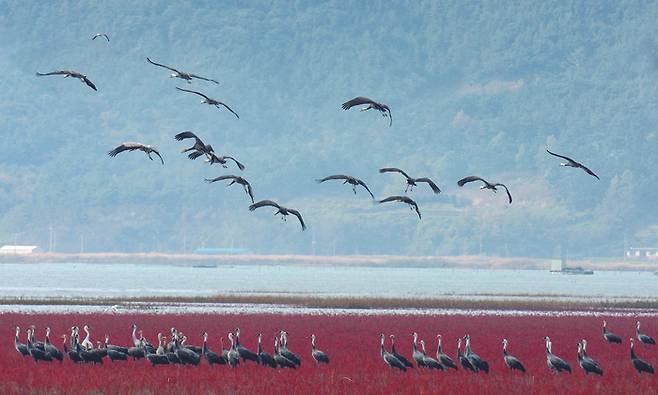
[115, 280]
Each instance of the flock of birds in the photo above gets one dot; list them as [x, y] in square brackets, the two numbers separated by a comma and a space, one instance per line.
[201, 149]
[177, 351]
[471, 361]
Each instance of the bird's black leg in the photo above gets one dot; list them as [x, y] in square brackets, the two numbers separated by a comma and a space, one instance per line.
[406, 189]
[354, 190]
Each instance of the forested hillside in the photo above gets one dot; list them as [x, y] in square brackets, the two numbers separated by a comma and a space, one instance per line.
[474, 88]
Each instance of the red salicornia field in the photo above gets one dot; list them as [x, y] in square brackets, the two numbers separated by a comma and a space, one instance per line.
[352, 343]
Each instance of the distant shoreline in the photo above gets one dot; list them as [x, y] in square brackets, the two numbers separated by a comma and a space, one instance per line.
[456, 262]
[462, 302]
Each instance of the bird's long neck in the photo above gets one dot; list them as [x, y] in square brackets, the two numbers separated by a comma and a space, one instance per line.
[66, 350]
[467, 347]
[17, 338]
[205, 344]
[422, 346]
[135, 339]
[637, 328]
[414, 348]
[381, 347]
[260, 345]
[439, 347]
[605, 328]
[548, 346]
[632, 350]
[504, 348]
[459, 348]
[46, 340]
[313, 343]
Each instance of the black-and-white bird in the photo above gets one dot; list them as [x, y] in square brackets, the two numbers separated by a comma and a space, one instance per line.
[403, 199]
[442, 357]
[428, 361]
[479, 363]
[181, 74]
[347, 180]
[318, 356]
[511, 361]
[589, 365]
[264, 358]
[411, 182]
[101, 35]
[639, 364]
[235, 180]
[609, 336]
[646, 339]
[555, 363]
[416, 354]
[222, 160]
[72, 74]
[210, 101]
[382, 108]
[284, 211]
[132, 146]
[487, 185]
[20, 347]
[389, 358]
[198, 149]
[572, 163]
[466, 364]
[399, 356]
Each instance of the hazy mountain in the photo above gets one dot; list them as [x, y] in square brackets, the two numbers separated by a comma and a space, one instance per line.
[474, 88]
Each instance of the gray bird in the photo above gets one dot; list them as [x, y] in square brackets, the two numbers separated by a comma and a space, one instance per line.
[403, 199]
[72, 74]
[132, 146]
[348, 180]
[382, 108]
[181, 74]
[555, 363]
[411, 182]
[284, 211]
[222, 160]
[210, 101]
[572, 163]
[101, 35]
[198, 149]
[511, 361]
[235, 180]
[487, 185]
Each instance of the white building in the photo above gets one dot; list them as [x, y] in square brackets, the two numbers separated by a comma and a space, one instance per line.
[18, 250]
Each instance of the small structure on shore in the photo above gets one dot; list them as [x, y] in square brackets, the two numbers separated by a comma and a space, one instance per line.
[18, 250]
[560, 266]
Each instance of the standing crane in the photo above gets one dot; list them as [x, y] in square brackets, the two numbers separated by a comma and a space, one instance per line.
[318, 356]
[555, 363]
[646, 339]
[609, 336]
[511, 361]
[399, 356]
[639, 364]
[389, 358]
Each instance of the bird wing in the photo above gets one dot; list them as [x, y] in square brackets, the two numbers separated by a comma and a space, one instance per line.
[561, 156]
[89, 83]
[334, 177]
[417, 209]
[299, 216]
[58, 72]
[101, 35]
[468, 179]
[390, 117]
[187, 135]
[195, 154]
[161, 65]
[356, 101]
[129, 146]
[391, 199]
[250, 191]
[240, 165]
[195, 92]
[506, 190]
[158, 154]
[203, 78]
[363, 184]
[588, 171]
[431, 183]
[393, 170]
[229, 108]
[220, 178]
[263, 203]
